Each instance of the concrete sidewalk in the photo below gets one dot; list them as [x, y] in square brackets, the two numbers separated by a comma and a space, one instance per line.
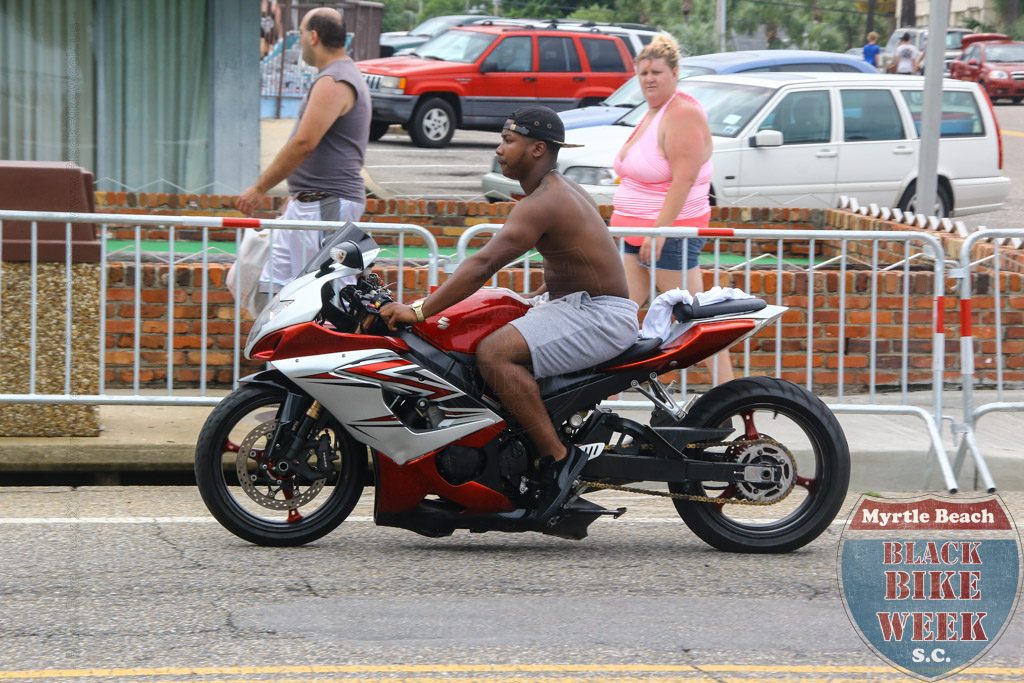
[890, 452]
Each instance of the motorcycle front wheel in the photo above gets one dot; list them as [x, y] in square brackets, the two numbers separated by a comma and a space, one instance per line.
[775, 423]
[247, 492]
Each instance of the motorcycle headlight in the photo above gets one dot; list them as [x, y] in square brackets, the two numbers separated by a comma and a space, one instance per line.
[592, 175]
[996, 73]
[266, 315]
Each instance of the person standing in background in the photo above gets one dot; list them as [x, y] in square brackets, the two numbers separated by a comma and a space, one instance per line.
[665, 169]
[323, 157]
[270, 25]
[906, 56]
[871, 50]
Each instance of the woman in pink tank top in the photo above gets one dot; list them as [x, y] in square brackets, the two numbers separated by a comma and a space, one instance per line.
[665, 173]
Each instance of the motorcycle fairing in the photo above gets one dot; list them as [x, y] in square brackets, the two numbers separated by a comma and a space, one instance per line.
[402, 487]
[351, 385]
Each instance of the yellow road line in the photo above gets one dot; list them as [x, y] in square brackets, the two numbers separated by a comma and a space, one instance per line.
[1012, 133]
[382, 671]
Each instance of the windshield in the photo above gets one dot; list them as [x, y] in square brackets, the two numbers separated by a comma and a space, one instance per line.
[954, 40]
[456, 46]
[629, 95]
[348, 233]
[432, 27]
[729, 106]
[1004, 53]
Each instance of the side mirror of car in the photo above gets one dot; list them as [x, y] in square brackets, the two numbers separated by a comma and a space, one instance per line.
[767, 138]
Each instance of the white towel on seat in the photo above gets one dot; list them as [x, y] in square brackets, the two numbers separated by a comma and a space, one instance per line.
[658, 320]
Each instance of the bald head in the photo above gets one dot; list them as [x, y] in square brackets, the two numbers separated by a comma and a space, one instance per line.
[329, 26]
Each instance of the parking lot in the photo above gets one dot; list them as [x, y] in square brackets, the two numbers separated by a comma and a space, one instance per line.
[398, 169]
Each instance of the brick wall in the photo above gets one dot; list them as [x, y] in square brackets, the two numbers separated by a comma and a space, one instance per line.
[447, 219]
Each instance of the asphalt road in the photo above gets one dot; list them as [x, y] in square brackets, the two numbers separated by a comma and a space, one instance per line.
[139, 584]
[454, 172]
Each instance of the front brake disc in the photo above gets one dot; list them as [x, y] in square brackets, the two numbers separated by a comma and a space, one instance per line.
[260, 484]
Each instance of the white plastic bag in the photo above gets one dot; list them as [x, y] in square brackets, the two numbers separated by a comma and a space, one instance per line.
[243, 277]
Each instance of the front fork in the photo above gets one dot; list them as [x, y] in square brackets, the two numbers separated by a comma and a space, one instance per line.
[297, 419]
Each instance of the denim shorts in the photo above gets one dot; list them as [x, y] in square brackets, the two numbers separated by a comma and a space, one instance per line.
[672, 253]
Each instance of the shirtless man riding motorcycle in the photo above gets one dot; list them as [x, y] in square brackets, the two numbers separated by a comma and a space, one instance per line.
[588, 318]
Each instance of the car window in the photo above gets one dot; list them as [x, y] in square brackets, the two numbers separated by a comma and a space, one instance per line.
[802, 118]
[557, 54]
[954, 40]
[960, 114]
[729, 106]
[514, 53]
[1004, 53]
[646, 38]
[603, 55]
[845, 69]
[625, 40]
[456, 46]
[972, 52]
[870, 115]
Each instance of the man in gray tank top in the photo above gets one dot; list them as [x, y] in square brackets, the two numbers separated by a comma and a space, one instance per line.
[323, 157]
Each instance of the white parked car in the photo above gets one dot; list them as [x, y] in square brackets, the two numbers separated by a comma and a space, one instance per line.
[803, 140]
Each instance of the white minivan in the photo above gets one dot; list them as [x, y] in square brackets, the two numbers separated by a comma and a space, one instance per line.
[805, 139]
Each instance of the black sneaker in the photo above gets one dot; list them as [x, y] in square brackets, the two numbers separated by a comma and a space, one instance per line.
[555, 479]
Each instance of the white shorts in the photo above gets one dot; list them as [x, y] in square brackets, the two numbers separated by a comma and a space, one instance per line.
[290, 250]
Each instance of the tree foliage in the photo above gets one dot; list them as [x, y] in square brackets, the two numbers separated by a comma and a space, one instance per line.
[833, 25]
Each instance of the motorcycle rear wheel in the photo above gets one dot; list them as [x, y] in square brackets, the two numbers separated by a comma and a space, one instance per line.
[811, 439]
[229, 446]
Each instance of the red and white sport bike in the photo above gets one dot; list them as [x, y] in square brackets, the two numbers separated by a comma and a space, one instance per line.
[754, 465]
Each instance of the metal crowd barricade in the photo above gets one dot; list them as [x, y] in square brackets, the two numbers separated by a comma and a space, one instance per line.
[172, 396]
[929, 247]
[966, 430]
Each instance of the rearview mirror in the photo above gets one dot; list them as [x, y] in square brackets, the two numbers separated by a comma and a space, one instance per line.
[767, 138]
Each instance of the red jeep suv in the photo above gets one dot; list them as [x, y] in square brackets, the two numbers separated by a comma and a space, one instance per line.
[473, 77]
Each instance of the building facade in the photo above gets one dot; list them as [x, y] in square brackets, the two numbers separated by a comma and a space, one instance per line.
[960, 11]
[157, 96]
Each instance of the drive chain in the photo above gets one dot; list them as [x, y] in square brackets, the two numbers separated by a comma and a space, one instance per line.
[693, 497]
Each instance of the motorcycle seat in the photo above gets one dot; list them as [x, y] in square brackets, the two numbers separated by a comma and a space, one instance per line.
[687, 312]
[642, 348]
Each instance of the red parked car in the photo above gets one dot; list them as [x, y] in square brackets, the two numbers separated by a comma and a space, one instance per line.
[473, 77]
[996, 62]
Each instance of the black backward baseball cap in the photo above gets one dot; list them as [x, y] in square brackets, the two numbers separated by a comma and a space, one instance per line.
[539, 123]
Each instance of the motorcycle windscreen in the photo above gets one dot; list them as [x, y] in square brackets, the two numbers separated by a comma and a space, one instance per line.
[350, 232]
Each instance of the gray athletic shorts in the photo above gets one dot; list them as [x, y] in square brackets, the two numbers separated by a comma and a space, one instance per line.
[577, 332]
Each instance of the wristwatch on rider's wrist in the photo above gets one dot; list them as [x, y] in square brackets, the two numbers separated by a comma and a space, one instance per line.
[417, 308]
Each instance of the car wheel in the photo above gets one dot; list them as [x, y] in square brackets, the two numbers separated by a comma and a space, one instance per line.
[943, 204]
[433, 124]
[378, 129]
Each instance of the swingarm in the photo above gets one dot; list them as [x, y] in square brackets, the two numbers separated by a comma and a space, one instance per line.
[665, 454]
